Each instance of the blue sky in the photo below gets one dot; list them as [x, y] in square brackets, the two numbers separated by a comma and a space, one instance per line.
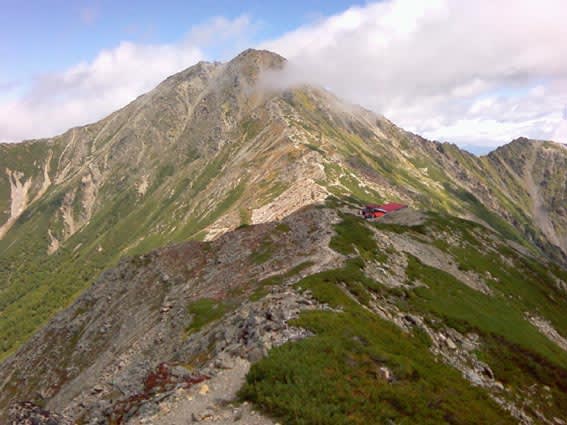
[446, 69]
[46, 36]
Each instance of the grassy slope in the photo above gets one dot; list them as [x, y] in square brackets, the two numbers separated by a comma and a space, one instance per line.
[335, 377]
[417, 173]
[33, 286]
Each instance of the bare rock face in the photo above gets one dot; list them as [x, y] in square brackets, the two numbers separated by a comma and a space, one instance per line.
[19, 188]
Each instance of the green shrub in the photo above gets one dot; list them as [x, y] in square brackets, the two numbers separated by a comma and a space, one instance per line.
[205, 311]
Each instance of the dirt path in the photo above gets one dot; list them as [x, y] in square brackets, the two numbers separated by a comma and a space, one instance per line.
[213, 402]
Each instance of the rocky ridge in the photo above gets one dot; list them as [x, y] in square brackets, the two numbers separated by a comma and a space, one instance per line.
[136, 315]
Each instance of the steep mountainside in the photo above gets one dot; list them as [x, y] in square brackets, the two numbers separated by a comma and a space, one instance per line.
[539, 168]
[209, 150]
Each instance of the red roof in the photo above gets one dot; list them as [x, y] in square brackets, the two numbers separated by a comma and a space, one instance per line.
[392, 207]
[373, 206]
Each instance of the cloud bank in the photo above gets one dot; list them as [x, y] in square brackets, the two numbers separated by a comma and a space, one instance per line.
[478, 73]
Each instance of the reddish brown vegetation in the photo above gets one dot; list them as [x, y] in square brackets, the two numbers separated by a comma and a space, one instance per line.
[159, 380]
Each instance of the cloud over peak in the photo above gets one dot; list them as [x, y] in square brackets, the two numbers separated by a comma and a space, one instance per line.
[442, 67]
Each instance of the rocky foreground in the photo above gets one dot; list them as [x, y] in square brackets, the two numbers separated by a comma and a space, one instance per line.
[125, 348]
[247, 327]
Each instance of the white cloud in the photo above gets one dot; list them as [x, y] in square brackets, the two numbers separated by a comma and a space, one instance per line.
[90, 90]
[469, 72]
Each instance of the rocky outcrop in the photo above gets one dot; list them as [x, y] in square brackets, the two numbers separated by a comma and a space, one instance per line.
[548, 330]
[240, 339]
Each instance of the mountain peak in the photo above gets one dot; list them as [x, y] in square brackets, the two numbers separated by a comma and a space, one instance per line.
[259, 56]
[524, 144]
[251, 63]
